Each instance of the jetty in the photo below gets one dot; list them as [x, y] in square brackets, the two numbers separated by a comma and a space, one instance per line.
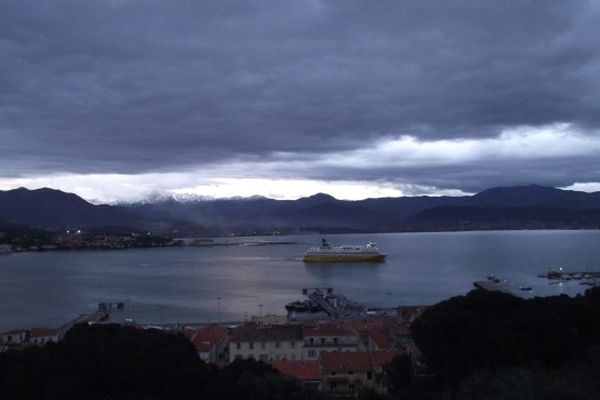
[333, 304]
[492, 286]
[82, 319]
[105, 307]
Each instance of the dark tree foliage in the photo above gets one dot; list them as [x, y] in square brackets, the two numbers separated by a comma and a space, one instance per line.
[112, 362]
[400, 374]
[370, 394]
[252, 380]
[575, 380]
[484, 330]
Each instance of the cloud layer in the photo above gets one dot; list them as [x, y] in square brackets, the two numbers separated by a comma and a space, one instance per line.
[454, 94]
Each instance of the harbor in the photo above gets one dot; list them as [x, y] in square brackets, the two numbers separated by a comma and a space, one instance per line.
[492, 286]
[160, 286]
[589, 278]
[323, 303]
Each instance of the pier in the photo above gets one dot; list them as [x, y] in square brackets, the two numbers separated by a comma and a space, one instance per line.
[82, 319]
[492, 286]
[105, 307]
[591, 278]
[324, 304]
[333, 304]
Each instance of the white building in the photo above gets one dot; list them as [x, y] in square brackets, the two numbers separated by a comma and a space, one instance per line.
[320, 337]
[41, 336]
[209, 341]
[266, 343]
[17, 336]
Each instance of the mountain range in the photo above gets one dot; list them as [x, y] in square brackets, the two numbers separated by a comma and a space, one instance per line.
[520, 207]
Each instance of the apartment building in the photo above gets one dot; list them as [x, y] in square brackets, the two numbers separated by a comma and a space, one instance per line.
[266, 342]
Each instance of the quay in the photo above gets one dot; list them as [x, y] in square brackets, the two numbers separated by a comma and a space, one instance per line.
[591, 278]
[333, 304]
[492, 286]
[324, 304]
[105, 307]
[82, 319]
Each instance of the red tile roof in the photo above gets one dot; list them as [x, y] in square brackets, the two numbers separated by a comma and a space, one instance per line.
[366, 324]
[383, 336]
[301, 370]
[358, 361]
[257, 333]
[327, 329]
[43, 332]
[338, 361]
[382, 357]
[382, 339]
[205, 337]
[189, 331]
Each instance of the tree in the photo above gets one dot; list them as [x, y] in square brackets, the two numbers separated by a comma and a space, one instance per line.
[400, 374]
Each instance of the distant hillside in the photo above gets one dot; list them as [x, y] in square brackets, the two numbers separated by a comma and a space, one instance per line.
[53, 209]
[534, 195]
[320, 212]
[522, 207]
[450, 218]
[9, 233]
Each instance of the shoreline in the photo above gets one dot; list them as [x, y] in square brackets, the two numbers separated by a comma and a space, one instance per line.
[204, 240]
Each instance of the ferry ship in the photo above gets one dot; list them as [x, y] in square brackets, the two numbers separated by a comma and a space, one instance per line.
[327, 253]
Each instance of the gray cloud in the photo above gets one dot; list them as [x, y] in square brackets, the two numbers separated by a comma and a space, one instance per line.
[148, 86]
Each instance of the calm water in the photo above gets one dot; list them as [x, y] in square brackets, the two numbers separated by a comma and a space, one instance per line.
[183, 284]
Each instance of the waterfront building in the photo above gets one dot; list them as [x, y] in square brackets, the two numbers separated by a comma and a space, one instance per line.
[13, 337]
[210, 341]
[307, 372]
[344, 374]
[266, 342]
[320, 337]
[394, 336]
[41, 336]
[270, 319]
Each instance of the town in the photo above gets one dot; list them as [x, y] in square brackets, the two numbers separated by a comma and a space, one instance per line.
[337, 353]
[26, 239]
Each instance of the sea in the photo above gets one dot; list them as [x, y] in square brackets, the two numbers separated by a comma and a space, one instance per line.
[247, 276]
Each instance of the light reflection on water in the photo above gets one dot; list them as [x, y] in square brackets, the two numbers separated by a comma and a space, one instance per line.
[182, 285]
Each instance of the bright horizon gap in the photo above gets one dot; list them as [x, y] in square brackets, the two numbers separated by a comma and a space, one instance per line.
[115, 188]
[109, 188]
[395, 166]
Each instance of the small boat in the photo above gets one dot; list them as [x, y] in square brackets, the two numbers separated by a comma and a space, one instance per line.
[526, 288]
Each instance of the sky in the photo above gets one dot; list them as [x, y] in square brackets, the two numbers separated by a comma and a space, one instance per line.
[122, 100]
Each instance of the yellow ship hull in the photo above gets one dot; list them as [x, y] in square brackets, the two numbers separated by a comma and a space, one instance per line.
[344, 257]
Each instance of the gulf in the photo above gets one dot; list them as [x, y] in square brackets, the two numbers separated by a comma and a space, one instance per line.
[234, 282]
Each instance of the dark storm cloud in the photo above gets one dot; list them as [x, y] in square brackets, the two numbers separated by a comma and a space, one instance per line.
[145, 86]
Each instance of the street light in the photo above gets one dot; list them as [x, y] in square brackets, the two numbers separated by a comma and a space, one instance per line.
[219, 309]
[260, 306]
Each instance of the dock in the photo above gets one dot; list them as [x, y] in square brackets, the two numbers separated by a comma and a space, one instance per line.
[82, 319]
[591, 278]
[324, 304]
[335, 305]
[492, 286]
